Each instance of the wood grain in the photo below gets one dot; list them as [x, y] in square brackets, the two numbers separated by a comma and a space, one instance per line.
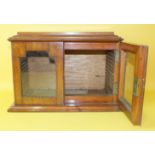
[17, 52]
[90, 46]
[140, 72]
[141, 53]
[26, 108]
[63, 36]
[57, 49]
[56, 45]
[93, 98]
[37, 46]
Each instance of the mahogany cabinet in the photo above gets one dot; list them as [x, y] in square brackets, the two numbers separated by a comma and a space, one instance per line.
[78, 72]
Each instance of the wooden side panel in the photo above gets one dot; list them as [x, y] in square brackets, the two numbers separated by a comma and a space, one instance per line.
[109, 72]
[116, 75]
[121, 77]
[18, 51]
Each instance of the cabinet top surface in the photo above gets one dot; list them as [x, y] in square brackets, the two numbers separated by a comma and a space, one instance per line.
[66, 36]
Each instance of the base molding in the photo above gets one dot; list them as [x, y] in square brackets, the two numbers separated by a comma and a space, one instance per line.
[40, 108]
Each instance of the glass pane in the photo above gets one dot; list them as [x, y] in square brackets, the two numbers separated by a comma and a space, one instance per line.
[38, 74]
[129, 76]
[89, 72]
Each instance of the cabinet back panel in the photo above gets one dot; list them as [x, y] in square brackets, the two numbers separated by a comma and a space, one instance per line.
[89, 72]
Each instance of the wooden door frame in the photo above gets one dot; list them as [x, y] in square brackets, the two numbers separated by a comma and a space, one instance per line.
[96, 46]
[141, 52]
[19, 51]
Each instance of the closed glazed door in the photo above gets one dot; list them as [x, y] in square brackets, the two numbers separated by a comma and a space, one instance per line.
[38, 73]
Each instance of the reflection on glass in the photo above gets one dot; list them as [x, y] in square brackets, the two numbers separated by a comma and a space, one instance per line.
[87, 73]
[38, 74]
[129, 76]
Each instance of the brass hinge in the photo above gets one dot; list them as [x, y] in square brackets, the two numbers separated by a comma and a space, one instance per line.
[117, 55]
[115, 88]
[136, 88]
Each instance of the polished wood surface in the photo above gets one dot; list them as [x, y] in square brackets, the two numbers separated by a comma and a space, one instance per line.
[56, 44]
[90, 46]
[135, 110]
[67, 33]
[121, 72]
[140, 72]
[36, 46]
[57, 48]
[93, 98]
[17, 52]
[66, 36]
[88, 108]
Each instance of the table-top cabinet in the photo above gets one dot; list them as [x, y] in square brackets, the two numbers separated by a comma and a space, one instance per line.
[78, 72]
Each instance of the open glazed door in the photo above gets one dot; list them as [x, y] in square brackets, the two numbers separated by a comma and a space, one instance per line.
[133, 60]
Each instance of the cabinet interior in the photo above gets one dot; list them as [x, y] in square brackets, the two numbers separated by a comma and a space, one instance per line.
[89, 72]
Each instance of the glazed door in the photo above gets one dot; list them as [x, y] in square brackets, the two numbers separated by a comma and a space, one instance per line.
[38, 73]
[133, 61]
